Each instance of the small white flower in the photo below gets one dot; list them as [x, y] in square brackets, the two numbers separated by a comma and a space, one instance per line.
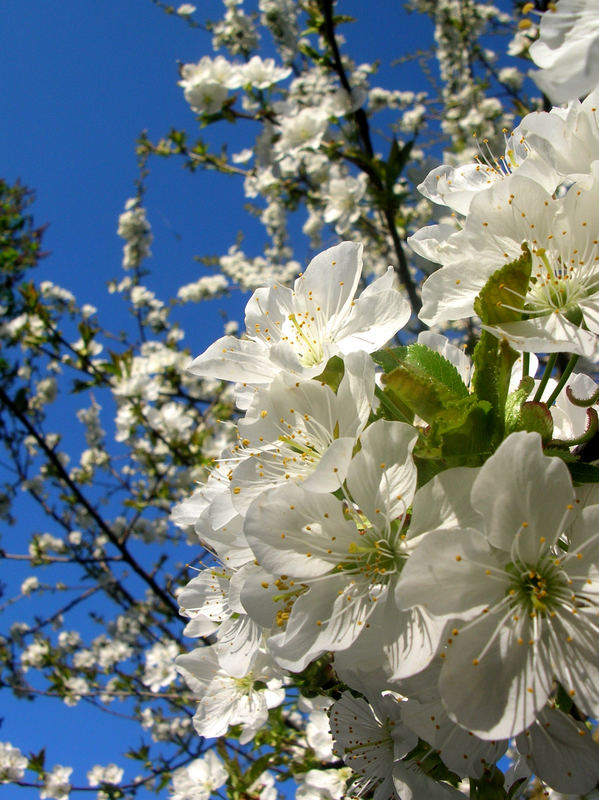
[56, 783]
[185, 9]
[298, 330]
[566, 50]
[305, 130]
[12, 763]
[372, 739]
[303, 432]
[160, 668]
[29, 585]
[563, 290]
[262, 73]
[343, 196]
[207, 83]
[199, 779]
[323, 784]
[111, 773]
[456, 187]
[228, 700]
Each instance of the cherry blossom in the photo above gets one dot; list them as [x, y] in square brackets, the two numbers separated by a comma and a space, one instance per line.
[528, 610]
[298, 330]
[566, 50]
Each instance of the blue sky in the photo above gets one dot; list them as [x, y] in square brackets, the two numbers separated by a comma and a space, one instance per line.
[80, 80]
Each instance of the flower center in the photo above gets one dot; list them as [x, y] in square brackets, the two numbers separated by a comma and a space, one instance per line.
[309, 348]
[537, 589]
[244, 685]
[378, 555]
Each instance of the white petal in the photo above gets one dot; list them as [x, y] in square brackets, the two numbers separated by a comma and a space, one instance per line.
[449, 293]
[428, 241]
[376, 316]
[330, 281]
[521, 489]
[551, 333]
[460, 750]
[355, 393]
[231, 359]
[328, 617]
[451, 573]
[492, 681]
[291, 531]
[445, 502]
[382, 476]
[561, 752]
[237, 645]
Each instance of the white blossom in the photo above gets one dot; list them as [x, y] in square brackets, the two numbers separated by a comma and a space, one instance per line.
[199, 779]
[226, 700]
[185, 9]
[562, 290]
[566, 50]
[111, 774]
[298, 331]
[528, 609]
[262, 73]
[208, 286]
[56, 783]
[12, 763]
[160, 668]
[30, 584]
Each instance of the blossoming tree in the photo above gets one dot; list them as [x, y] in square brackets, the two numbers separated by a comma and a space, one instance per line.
[396, 529]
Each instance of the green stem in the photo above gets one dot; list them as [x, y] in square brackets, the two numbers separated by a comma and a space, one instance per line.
[563, 380]
[546, 375]
[525, 364]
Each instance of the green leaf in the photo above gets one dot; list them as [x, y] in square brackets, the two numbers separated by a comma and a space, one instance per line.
[563, 700]
[460, 424]
[425, 362]
[317, 678]
[489, 786]
[505, 292]
[583, 473]
[438, 367]
[139, 755]
[391, 406]
[536, 417]
[514, 403]
[429, 762]
[390, 358]
[422, 393]
[467, 435]
[163, 781]
[37, 762]
[258, 767]
[333, 373]
[514, 789]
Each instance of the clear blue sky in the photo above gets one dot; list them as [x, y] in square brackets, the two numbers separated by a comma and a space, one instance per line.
[81, 79]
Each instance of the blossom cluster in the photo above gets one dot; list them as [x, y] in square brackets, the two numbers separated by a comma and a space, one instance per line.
[327, 540]
[541, 196]
[403, 520]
